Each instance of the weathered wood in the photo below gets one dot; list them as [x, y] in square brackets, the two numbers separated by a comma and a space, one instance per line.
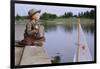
[35, 55]
[30, 55]
[18, 54]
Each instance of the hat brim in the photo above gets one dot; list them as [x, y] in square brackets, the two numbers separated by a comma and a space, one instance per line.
[39, 11]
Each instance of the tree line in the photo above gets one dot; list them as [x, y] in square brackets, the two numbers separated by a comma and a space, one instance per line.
[87, 14]
[46, 16]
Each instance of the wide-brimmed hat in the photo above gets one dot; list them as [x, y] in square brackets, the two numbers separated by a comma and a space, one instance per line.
[33, 11]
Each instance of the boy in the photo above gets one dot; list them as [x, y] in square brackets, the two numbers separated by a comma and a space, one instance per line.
[32, 33]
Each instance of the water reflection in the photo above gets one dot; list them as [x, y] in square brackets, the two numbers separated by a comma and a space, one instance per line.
[50, 27]
[68, 27]
[89, 28]
[62, 38]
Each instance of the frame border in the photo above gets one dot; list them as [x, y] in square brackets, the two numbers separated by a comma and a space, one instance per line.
[12, 34]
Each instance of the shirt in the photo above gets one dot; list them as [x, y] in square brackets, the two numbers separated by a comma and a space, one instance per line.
[30, 26]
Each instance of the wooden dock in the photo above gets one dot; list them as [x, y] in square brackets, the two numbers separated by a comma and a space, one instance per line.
[31, 55]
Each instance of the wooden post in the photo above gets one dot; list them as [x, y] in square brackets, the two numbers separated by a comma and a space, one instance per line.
[83, 53]
[77, 56]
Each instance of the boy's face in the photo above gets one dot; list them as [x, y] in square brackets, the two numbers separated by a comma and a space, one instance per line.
[36, 16]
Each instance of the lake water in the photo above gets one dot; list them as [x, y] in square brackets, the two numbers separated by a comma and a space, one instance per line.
[60, 41]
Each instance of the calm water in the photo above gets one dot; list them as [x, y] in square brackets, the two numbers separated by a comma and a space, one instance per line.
[60, 41]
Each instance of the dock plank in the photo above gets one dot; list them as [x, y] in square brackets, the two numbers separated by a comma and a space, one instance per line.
[35, 55]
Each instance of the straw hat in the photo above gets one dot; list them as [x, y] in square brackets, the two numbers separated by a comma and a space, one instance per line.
[33, 11]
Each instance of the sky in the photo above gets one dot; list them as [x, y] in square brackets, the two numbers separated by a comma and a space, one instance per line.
[22, 9]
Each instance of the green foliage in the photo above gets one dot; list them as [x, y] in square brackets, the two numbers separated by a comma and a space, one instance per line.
[67, 15]
[87, 14]
[47, 16]
[18, 17]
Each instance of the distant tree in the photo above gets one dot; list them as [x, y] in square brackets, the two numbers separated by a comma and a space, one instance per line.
[68, 14]
[79, 15]
[48, 16]
[52, 16]
[87, 14]
[65, 14]
[92, 14]
[18, 17]
[74, 15]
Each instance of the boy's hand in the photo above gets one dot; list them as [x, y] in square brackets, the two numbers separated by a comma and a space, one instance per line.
[34, 31]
